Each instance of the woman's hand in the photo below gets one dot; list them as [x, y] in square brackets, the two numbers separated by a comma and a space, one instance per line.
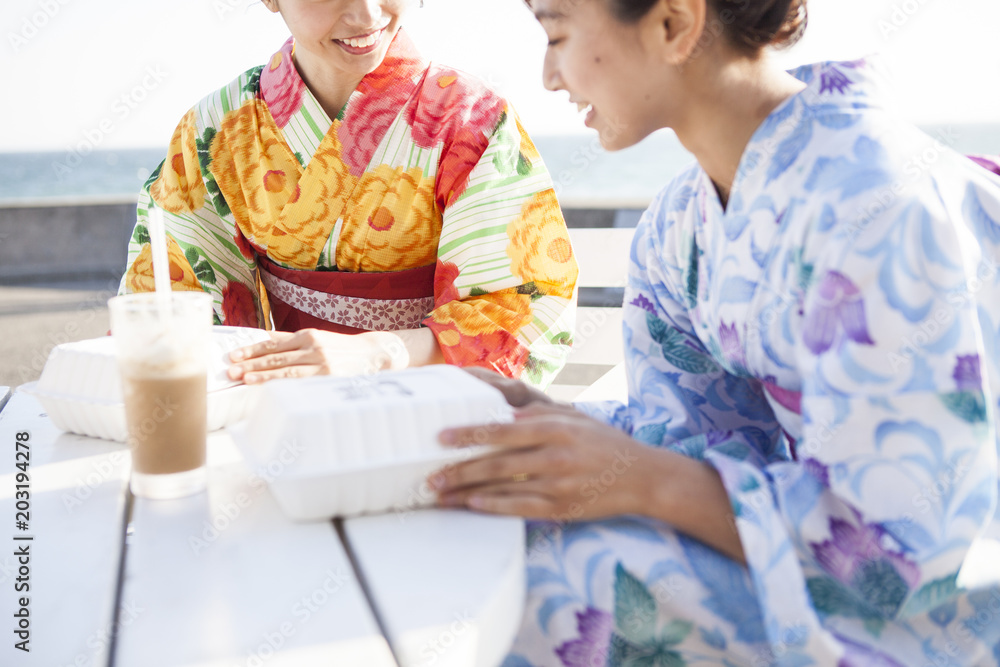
[557, 464]
[552, 463]
[517, 393]
[315, 352]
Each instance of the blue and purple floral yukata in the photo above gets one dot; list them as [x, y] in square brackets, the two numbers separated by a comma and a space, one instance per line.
[830, 344]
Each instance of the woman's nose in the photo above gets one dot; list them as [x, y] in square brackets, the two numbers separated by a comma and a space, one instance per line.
[550, 73]
[364, 13]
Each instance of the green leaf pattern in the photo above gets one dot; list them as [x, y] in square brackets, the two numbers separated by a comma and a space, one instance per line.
[201, 266]
[675, 349]
[638, 639]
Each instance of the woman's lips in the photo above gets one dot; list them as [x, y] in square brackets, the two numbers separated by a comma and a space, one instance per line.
[589, 109]
[361, 45]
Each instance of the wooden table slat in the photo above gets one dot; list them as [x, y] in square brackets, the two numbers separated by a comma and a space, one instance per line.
[77, 515]
[454, 596]
[207, 567]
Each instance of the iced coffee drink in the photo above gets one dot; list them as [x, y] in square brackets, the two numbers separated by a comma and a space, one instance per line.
[166, 422]
[162, 356]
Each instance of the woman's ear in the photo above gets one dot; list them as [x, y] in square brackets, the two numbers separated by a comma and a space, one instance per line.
[272, 5]
[679, 25]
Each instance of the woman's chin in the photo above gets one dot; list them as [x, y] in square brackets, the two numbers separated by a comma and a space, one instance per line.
[616, 140]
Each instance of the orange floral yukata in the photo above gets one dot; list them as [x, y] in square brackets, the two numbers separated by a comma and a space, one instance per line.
[423, 203]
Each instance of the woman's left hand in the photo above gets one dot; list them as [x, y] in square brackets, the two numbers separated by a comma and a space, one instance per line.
[315, 352]
[552, 462]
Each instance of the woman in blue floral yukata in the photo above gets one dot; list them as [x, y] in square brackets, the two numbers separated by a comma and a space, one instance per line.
[806, 469]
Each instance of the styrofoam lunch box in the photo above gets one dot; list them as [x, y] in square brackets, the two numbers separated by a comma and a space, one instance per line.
[331, 446]
[81, 391]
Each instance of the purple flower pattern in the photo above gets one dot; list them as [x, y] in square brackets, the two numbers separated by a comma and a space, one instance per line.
[859, 655]
[786, 398]
[642, 302]
[855, 544]
[967, 375]
[832, 79]
[818, 470]
[595, 629]
[838, 305]
[732, 349]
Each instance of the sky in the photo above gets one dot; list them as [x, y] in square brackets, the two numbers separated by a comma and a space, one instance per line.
[111, 74]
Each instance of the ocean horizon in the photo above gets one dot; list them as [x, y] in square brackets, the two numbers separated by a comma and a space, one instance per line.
[582, 171]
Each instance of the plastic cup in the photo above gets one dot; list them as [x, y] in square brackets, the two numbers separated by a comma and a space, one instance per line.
[162, 347]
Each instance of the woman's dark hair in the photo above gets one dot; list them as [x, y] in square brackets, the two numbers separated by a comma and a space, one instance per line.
[749, 24]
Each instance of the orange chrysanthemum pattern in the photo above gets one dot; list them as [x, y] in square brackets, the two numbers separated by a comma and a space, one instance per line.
[258, 175]
[393, 226]
[180, 187]
[299, 234]
[483, 331]
[528, 149]
[182, 278]
[540, 250]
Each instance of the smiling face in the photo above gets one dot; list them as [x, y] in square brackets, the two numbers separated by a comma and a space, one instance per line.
[608, 67]
[346, 38]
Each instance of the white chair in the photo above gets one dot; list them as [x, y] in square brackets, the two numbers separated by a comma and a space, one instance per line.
[594, 370]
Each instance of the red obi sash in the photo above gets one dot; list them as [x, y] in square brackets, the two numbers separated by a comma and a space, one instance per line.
[347, 302]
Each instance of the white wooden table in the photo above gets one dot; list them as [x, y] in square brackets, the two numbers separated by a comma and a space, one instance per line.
[222, 578]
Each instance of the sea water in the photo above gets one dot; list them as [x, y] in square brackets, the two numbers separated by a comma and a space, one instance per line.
[583, 173]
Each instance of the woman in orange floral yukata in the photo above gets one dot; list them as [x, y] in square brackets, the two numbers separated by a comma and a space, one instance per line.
[348, 186]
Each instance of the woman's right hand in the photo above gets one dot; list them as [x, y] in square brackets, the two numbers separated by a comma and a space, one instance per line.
[311, 352]
[517, 393]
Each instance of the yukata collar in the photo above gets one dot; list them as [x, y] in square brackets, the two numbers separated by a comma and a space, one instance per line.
[830, 86]
[282, 88]
[857, 83]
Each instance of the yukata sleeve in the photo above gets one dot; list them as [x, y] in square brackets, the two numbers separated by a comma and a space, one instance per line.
[896, 470]
[506, 275]
[679, 395]
[205, 250]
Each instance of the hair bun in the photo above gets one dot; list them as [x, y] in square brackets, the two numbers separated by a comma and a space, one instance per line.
[749, 24]
[778, 23]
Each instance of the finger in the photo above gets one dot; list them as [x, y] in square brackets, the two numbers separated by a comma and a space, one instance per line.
[515, 392]
[540, 409]
[279, 342]
[526, 431]
[296, 371]
[485, 374]
[280, 359]
[525, 504]
[503, 468]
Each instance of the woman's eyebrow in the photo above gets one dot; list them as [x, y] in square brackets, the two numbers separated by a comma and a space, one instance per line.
[549, 15]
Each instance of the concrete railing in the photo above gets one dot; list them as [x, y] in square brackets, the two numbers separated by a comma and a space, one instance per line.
[86, 238]
[64, 239]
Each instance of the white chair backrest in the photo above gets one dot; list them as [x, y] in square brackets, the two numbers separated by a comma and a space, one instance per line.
[594, 370]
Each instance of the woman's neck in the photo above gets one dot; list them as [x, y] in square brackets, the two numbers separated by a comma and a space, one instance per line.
[331, 88]
[727, 109]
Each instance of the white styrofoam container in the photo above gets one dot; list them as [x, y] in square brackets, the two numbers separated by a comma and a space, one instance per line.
[81, 391]
[345, 446]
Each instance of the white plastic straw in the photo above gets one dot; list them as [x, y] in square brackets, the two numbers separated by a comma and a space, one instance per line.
[161, 263]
